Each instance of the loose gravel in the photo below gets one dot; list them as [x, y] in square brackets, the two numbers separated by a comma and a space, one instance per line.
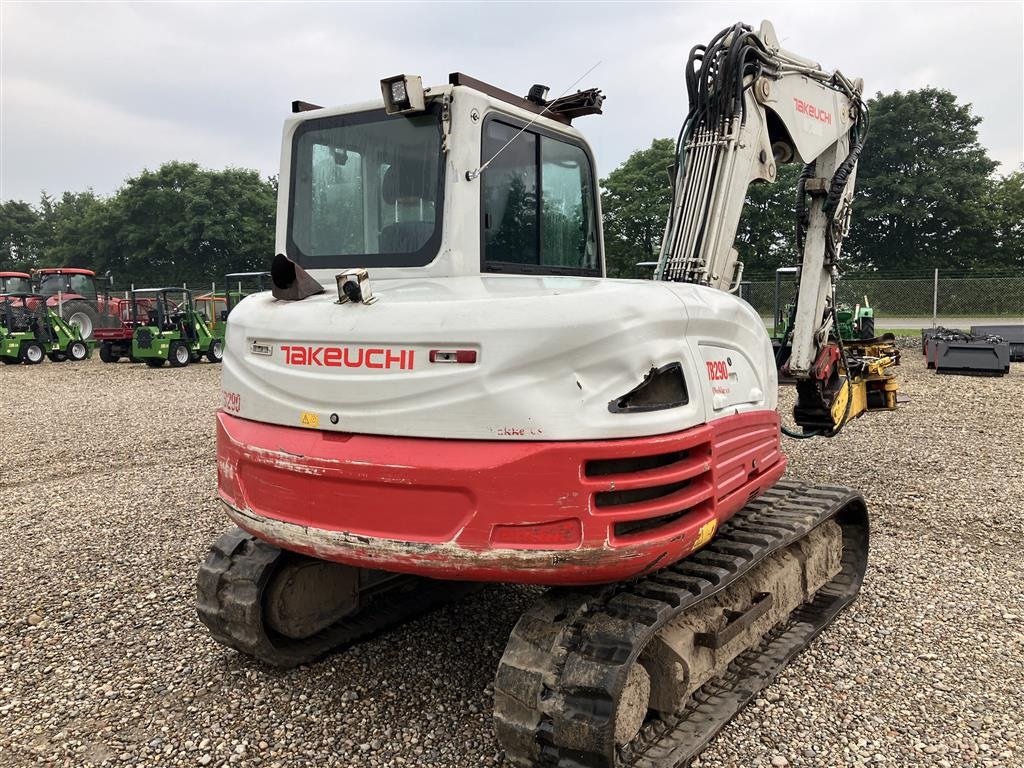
[107, 506]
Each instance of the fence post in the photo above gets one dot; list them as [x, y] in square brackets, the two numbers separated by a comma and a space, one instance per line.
[935, 299]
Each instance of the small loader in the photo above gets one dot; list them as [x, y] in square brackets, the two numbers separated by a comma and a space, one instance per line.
[172, 330]
[29, 330]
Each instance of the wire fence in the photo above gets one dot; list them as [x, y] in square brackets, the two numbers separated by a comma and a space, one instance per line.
[906, 301]
[197, 283]
[909, 300]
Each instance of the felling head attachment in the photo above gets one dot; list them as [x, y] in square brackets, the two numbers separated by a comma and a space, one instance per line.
[290, 282]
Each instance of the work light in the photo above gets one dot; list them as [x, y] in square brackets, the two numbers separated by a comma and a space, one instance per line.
[402, 94]
[354, 287]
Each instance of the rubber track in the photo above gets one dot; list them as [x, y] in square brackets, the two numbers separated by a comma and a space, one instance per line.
[567, 658]
[230, 589]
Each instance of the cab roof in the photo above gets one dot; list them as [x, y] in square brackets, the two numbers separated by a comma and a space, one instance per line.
[65, 271]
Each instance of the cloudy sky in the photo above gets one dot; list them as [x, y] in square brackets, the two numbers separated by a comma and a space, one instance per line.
[93, 93]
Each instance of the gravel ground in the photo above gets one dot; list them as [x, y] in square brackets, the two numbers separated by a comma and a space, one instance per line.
[107, 482]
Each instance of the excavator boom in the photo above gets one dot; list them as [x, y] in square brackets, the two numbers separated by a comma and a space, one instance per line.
[754, 106]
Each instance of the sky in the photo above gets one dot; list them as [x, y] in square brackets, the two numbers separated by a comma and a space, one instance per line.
[93, 93]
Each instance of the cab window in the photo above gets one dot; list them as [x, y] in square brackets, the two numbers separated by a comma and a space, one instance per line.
[83, 285]
[366, 190]
[537, 203]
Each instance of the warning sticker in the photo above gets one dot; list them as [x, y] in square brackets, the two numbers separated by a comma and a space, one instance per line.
[309, 420]
[704, 534]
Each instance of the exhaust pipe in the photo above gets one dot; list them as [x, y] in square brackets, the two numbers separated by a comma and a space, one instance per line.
[290, 282]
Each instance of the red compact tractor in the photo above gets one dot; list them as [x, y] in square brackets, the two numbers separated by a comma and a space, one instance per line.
[73, 292]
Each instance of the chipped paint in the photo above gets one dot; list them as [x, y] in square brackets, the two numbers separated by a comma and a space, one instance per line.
[446, 559]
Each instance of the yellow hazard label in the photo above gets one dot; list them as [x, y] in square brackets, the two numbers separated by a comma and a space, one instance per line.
[704, 534]
[309, 420]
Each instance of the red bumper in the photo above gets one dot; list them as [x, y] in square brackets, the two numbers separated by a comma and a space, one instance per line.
[535, 512]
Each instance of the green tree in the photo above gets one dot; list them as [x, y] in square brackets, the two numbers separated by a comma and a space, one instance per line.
[77, 231]
[1007, 208]
[634, 205]
[923, 182]
[20, 235]
[765, 236]
[182, 222]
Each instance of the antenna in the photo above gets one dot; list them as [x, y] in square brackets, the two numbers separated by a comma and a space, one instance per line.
[470, 175]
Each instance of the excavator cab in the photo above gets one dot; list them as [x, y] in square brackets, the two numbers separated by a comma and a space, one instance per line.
[370, 189]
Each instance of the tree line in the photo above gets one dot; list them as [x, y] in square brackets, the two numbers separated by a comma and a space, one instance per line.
[926, 198]
[180, 223]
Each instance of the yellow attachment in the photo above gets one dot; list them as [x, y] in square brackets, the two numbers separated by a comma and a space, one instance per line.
[877, 376]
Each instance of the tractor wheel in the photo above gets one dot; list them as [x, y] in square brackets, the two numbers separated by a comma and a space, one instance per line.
[77, 351]
[32, 353]
[56, 357]
[216, 351]
[154, 362]
[107, 353]
[81, 314]
[867, 327]
[179, 354]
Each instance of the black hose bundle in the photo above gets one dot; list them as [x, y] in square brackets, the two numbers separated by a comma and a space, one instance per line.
[860, 137]
[715, 74]
[801, 206]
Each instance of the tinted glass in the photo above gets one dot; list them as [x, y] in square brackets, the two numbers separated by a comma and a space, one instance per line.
[538, 201]
[366, 191]
[51, 285]
[510, 195]
[567, 217]
[84, 285]
[16, 285]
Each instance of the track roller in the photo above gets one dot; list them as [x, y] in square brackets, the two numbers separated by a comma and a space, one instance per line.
[286, 609]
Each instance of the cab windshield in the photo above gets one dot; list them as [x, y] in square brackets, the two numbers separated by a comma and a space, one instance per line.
[52, 284]
[366, 191]
[15, 285]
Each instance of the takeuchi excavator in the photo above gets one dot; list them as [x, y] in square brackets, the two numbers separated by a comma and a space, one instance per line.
[442, 389]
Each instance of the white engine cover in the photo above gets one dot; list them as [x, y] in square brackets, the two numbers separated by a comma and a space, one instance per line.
[551, 354]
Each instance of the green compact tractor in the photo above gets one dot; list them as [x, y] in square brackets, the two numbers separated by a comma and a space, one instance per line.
[856, 323]
[172, 330]
[29, 331]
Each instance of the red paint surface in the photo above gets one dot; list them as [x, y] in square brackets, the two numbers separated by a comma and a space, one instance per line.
[65, 271]
[113, 334]
[492, 510]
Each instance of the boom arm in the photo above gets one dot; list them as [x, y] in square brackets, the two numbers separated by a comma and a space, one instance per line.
[754, 105]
